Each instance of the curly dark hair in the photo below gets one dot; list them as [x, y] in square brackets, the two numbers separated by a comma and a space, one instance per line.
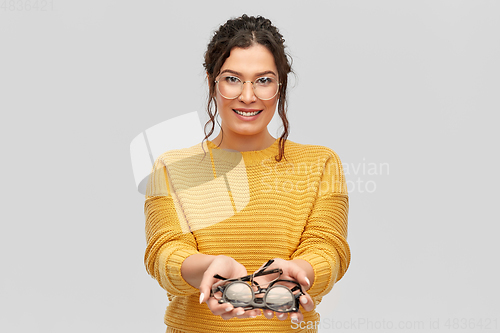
[243, 32]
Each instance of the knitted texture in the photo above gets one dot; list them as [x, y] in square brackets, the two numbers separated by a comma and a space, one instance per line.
[245, 205]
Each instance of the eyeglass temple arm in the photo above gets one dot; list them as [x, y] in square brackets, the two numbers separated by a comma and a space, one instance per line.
[268, 263]
[263, 271]
[248, 277]
[258, 273]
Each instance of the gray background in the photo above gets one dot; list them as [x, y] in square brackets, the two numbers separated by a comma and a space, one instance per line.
[404, 91]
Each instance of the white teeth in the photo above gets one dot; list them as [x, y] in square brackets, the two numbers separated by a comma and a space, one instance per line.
[248, 114]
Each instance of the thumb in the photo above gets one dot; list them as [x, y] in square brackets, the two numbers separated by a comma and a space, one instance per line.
[303, 280]
[205, 287]
[300, 276]
[203, 296]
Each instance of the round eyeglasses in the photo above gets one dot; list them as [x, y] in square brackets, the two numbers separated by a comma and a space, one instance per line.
[230, 87]
[279, 296]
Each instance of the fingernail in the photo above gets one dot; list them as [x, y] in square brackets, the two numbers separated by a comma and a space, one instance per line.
[303, 300]
[252, 316]
[308, 282]
[239, 313]
[295, 319]
[281, 315]
[201, 297]
[227, 309]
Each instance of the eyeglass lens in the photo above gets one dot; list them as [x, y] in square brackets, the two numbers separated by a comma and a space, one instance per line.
[239, 294]
[231, 87]
[279, 298]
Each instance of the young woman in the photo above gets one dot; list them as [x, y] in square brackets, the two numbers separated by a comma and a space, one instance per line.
[227, 206]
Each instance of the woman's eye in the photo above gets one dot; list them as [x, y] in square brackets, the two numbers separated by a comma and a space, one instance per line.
[264, 80]
[231, 79]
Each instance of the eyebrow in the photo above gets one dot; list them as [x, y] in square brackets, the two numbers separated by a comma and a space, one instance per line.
[238, 73]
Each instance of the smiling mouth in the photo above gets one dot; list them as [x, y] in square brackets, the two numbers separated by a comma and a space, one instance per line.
[247, 114]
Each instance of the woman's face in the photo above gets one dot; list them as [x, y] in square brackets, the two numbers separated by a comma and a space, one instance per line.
[247, 64]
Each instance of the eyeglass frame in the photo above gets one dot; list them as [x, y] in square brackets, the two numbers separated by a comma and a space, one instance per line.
[243, 84]
[250, 278]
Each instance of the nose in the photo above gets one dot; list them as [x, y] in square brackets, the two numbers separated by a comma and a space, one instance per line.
[247, 94]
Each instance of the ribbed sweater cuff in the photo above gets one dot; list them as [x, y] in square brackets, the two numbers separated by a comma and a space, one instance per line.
[324, 273]
[175, 281]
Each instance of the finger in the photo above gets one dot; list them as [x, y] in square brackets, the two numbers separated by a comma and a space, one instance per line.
[281, 316]
[227, 315]
[206, 287]
[218, 309]
[255, 313]
[236, 312]
[300, 276]
[268, 314]
[241, 313]
[306, 302]
[296, 317]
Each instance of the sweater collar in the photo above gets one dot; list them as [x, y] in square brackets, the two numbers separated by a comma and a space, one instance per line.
[252, 157]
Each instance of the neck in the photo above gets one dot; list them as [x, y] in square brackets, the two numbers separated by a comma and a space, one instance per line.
[243, 142]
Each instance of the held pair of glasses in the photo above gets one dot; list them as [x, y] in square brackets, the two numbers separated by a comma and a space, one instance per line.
[246, 292]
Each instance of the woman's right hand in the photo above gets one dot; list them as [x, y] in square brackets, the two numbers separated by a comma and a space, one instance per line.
[229, 268]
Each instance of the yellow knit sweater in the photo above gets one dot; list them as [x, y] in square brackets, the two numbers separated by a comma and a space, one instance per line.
[247, 206]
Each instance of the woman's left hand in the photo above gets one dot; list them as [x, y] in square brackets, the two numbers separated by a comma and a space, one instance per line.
[292, 271]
